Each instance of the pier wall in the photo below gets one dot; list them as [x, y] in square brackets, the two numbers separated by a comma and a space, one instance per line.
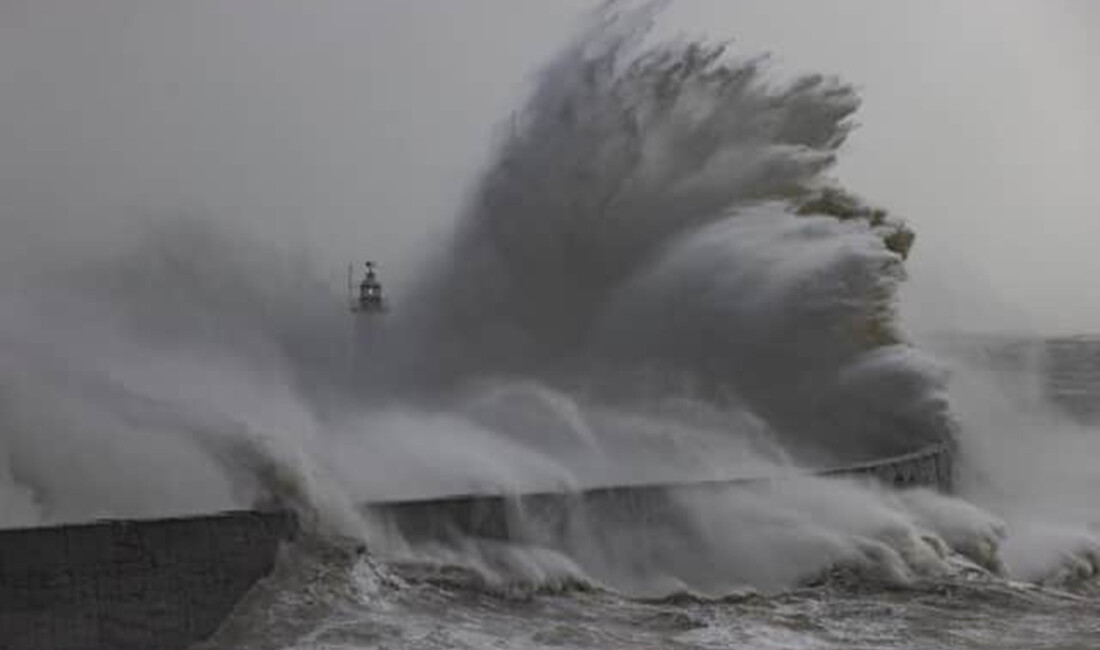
[552, 519]
[166, 584]
[131, 585]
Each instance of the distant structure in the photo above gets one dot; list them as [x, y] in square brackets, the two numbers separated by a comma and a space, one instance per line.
[369, 299]
[367, 304]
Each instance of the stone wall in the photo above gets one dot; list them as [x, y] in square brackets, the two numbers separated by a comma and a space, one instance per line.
[551, 519]
[1064, 370]
[932, 466]
[131, 585]
[1071, 369]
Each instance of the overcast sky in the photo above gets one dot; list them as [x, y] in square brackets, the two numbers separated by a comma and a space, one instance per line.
[355, 126]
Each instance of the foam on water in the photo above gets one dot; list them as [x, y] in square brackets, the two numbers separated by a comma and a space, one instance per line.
[654, 281]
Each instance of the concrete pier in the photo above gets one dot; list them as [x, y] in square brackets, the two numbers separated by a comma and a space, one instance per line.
[166, 584]
[122, 585]
[546, 518]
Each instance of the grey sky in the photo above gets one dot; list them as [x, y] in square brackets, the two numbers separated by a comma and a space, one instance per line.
[356, 126]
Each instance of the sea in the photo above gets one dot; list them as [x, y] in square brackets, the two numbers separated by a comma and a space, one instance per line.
[655, 279]
[1034, 584]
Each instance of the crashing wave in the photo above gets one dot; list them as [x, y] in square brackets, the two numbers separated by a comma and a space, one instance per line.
[663, 210]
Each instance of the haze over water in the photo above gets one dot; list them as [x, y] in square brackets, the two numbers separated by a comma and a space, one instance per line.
[656, 278]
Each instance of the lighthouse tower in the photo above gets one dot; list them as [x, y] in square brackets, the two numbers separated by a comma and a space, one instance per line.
[367, 303]
[369, 299]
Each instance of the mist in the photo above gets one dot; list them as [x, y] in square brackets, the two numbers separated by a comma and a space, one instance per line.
[590, 283]
[306, 124]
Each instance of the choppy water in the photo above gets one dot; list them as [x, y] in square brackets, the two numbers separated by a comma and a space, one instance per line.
[333, 598]
[492, 595]
[654, 280]
[488, 594]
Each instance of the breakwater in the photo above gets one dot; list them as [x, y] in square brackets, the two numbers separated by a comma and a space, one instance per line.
[1071, 368]
[1064, 371]
[122, 585]
[166, 584]
[546, 518]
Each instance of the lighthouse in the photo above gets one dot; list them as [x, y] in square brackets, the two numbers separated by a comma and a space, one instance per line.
[369, 299]
[367, 304]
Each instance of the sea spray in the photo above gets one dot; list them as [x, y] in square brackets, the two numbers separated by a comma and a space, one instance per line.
[654, 281]
[662, 210]
[1025, 459]
[716, 540]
